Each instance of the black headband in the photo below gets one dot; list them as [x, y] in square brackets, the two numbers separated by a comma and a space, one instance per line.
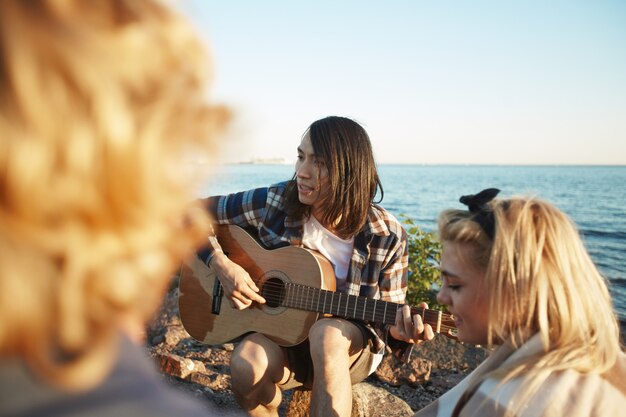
[482, 213]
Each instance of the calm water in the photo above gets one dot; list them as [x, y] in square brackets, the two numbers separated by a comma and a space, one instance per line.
[595, 197]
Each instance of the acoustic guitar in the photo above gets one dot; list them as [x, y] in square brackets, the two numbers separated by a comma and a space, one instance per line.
[298, 285]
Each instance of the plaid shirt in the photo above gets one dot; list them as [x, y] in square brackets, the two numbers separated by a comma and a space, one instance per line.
[378, 266]
[379, 262]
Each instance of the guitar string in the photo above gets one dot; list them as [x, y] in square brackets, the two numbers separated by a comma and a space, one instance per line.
[277, 291]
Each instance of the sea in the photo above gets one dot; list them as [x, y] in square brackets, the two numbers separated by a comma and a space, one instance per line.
[593, 196]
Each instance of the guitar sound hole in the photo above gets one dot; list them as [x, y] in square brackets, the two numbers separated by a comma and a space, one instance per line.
[273, 291]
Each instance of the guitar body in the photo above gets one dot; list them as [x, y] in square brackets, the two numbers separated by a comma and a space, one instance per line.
[209, 317]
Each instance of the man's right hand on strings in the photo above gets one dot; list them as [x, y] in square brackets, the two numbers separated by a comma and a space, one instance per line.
[238, 286]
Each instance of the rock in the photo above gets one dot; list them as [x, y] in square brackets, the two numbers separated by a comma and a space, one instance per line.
[394, 372]
[213, 380]
[178, 366]
[300, 404]
[157, 339]
[445, 353]
[367, 401]
[228, 347]
[371, 401]
[444, 380]
[174, 334]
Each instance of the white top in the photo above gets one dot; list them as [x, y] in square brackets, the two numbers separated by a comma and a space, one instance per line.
[338, 251]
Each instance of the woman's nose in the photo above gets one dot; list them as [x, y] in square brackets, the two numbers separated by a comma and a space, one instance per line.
[442, 296]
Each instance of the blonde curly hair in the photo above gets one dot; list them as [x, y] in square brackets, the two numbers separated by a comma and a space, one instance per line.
[100, 102]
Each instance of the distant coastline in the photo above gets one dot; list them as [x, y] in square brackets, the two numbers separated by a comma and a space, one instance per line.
[266, 161]
[286, 161]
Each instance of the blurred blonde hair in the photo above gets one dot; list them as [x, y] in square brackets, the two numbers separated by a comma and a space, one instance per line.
[99, 103]
[540, 279]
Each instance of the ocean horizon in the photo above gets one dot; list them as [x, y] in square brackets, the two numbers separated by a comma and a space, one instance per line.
[286, 161]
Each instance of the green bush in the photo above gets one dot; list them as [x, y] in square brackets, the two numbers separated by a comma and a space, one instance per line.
[424, 257]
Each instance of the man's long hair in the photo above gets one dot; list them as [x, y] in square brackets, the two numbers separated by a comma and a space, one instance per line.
[345, 148]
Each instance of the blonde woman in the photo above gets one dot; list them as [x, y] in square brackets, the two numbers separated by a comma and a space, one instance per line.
[99, 101]
[516, 274]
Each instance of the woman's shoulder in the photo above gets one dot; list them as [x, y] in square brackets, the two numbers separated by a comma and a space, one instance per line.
[595, 395]
[591, 390]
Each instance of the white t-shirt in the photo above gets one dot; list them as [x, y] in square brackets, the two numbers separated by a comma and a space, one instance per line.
[338, 251]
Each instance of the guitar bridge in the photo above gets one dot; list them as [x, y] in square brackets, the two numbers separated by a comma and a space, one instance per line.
[218, 293]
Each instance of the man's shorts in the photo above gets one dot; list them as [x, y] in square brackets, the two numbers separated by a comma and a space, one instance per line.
[301, 365]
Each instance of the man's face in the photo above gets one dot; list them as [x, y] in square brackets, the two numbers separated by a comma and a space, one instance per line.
[311, 176]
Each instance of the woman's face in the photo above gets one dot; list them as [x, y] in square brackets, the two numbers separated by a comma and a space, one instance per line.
[464, 292]
[311, 176]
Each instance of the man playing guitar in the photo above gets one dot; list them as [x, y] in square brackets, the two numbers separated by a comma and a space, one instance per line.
[328, 206]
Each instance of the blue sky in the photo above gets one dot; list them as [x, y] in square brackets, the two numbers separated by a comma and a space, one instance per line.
[465, 82]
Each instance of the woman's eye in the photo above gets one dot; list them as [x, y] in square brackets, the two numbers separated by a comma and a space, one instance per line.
[454, 287]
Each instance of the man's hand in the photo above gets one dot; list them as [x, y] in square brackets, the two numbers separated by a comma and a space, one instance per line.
[238, 286]
[411, 329]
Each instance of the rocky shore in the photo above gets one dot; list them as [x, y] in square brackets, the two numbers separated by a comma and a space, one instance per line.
[203, 370]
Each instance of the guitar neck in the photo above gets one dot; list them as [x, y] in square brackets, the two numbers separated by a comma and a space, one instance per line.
[357, 307]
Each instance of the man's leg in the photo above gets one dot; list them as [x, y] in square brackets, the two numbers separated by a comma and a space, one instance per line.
[257, 365]
[335, 345]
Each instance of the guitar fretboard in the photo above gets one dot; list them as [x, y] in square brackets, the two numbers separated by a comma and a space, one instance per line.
[307, 298]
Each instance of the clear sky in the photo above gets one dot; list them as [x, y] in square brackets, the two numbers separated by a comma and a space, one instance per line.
[468, 82]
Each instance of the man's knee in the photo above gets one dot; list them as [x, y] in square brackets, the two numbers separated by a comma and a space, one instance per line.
[333, 336]
[248, 356]
[335, 330]
[256, 367]
[255, 360]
